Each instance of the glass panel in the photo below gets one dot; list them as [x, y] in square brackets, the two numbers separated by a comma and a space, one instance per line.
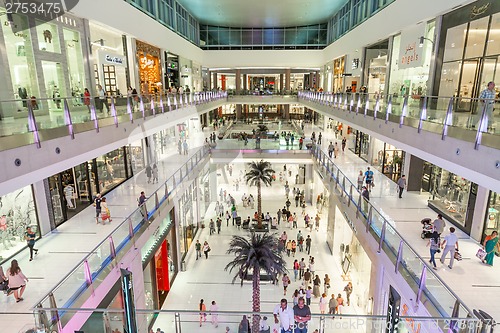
[493, 47]
[268, 36]
[257, 36]
[290, 36]
[111, 169]
[476, 38]
[235, 37]
[455, 41]
[279, 36]
[246, 37]
[448, 86]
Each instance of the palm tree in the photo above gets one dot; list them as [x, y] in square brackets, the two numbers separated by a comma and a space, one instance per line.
[262, 128]
[259, 252]
[260, 172]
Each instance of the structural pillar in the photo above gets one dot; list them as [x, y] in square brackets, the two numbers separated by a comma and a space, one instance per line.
[245, 79]
[238, 80]
[215, 83]
[281, 82]
[288, 83]
[480, 209]
[209, 81]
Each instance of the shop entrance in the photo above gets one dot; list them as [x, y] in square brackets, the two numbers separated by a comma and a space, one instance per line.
[54, 84]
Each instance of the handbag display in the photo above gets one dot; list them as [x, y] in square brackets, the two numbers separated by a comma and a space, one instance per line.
[481, 254]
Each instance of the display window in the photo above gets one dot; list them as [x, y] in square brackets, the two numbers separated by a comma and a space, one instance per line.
[137, 156]
[19, 51]
[74, 58]
[111, 169]
[48, 37]
[450, 194]
[361, 144]
[188, 217]
[376, 61]
[492, 220]
[388, 159]
[54, 84]
[69, 193]
[17, 211]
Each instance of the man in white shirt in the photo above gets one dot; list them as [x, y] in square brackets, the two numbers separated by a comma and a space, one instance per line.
[102, 98]
[449, 244]
[215, 316]
[284, 315]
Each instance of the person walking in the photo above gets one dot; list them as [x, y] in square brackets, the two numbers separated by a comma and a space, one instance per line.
[302, 268]
[106, 213]
[332, 305]
[340, 305]
[316, 285]
[326, 284]
[103, 100]
[141, 203]
[308, 244]
[320, 136]
[244, 326]
[302, 314]
[487, 99]
[366, 198]
[344, 143]
[449, 245]
[286, 281]
[490, 246]
[284, 315]
[279, 215]
[206, 249]
[307, 278]
[213, 312]
[361, 180]
[330, 149]
[97, 205]
[30, 237]
[434, 244]
[348, 292]
[211, 226]
[439, 224]
[323, 302]
[203, 311]
[369, 179]
[316, 221]
[197, 246]
[336, 150]
[219, 225]
[17, 281]
[155, 173]
[401, 185]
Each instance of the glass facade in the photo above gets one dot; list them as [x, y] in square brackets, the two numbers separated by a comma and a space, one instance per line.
[492, 220]
[228, 38]
[188, 218]
[17, 211]
[387, 159]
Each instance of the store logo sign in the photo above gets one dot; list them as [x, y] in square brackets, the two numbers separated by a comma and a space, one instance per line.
[113, 60]
[476, 11]
[410, 54]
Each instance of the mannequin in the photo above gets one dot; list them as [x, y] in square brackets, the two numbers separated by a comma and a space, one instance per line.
[55, 97]
[69, 191]
[23, 94]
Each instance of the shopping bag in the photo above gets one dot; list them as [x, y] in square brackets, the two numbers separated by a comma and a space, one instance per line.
[104, 216]
[458, 256]
[481, 254]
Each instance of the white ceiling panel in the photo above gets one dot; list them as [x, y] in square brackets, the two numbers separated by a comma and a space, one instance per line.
[262, 13]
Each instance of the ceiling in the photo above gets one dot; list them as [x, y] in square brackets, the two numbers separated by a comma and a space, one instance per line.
[262, 13]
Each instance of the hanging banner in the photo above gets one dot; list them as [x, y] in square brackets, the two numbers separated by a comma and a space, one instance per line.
[410, 53]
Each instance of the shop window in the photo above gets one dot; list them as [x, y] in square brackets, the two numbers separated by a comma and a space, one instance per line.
[48, 37]
[111, 170]
[493, 47]
[448, 85]
[74, 57]
[492, 222]
[17, 211]
[476, 38]
[455, 42]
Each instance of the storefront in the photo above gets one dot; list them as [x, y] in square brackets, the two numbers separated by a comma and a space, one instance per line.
[17, 211]
[387, 159]
[376, 67]
[492, 220]
[450, 195]
[410, 64]
[159, 260]
[172, 77]
[149, 60]
[204, 198]
[73, 190]
[361, 144]
[187, 210]
[42, 63]
[470, 51]
[164, 143]
[108, 50]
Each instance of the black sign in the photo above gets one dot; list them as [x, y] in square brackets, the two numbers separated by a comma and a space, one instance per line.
[128, 301]
[393, 311]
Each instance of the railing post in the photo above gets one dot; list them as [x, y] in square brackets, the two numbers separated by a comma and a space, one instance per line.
[169, 104]
[377, 108]
[448, 119]
[322, 324]
[67, 119]
[404, 111]
[400, 256]
[130, 111]
[421, 285]
[161, 104]
[178, 325]
[350, 197]
[157, 202]
[367, 104]
[369, 219]
[141, 108]
[113, 111]
[88, 274]
[423, 115]
[358, 106]
[112, 248]
[131, 227]
[382, 236]
[360, 200]
[93, 115]
[153, 107]
[482, 127]
[389, 109]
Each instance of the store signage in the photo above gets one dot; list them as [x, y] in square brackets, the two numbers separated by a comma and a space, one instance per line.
[350, 223]
[130, 324]
[410, 53]
[107, 58]
[476, 11]
[355, 63]
[393, 311]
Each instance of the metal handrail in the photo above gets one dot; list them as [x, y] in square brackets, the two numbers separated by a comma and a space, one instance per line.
[204, 151]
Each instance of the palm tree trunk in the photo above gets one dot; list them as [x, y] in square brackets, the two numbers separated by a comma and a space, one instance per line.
[259, 207]
[256, 299]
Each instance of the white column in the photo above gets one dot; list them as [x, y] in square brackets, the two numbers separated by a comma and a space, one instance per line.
[42, 201]
[477, 228]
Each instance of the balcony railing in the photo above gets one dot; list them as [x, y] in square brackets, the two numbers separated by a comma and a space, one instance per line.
[34, 116]
[421, 112]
